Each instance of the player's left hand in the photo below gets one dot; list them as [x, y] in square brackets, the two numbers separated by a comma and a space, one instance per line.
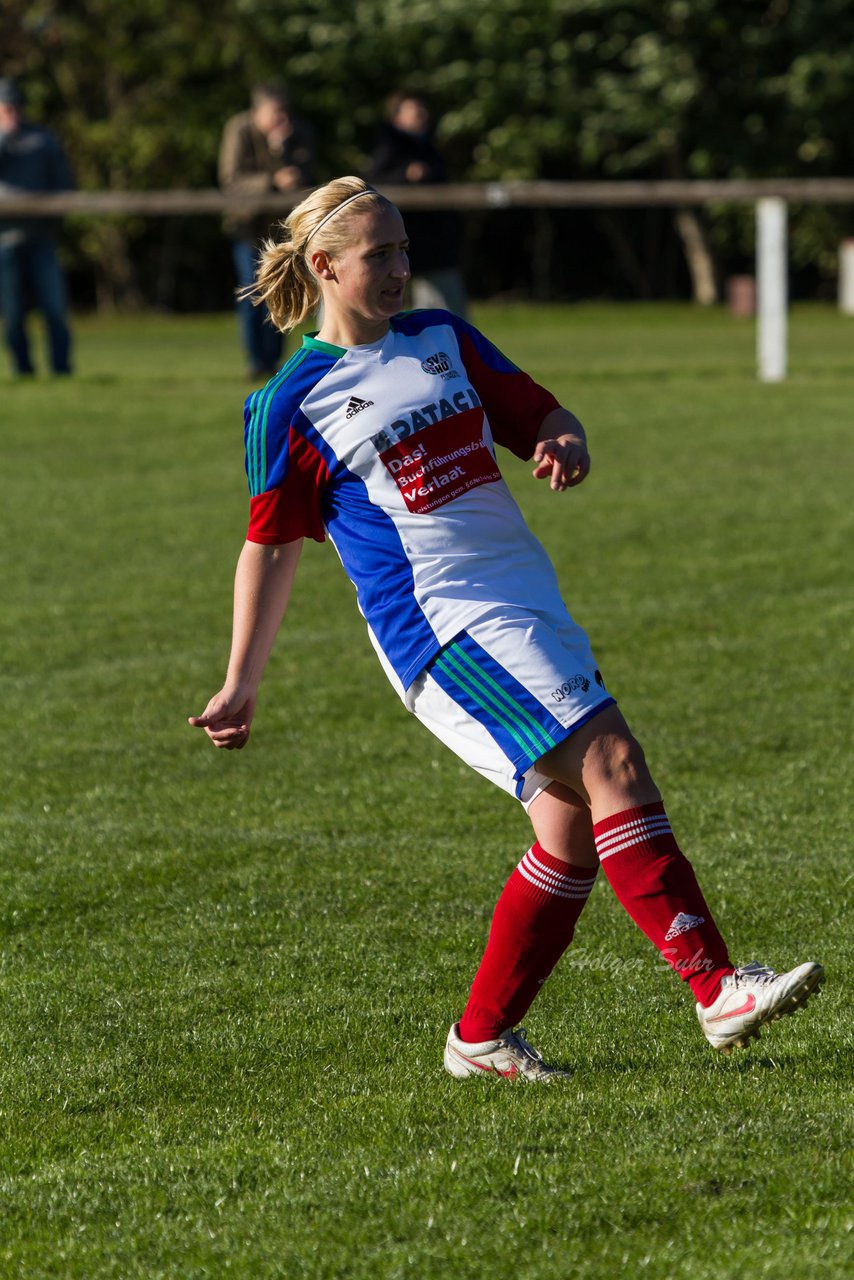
[563, 460]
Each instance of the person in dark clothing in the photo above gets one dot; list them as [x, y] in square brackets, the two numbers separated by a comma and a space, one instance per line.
[31, 160]
[265, 149]
[405, 152]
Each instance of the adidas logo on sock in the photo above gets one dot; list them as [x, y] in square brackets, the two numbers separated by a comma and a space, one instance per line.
[356, 406]
[681, 923]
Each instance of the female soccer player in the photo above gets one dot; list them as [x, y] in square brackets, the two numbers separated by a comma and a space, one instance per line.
[381, 433]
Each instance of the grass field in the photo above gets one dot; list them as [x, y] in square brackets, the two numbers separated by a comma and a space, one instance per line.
[227, 978]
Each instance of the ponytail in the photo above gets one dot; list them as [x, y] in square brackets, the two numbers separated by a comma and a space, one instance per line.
[284, 283]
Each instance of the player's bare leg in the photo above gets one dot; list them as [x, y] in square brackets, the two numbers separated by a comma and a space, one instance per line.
[604, 764]
[562, 824]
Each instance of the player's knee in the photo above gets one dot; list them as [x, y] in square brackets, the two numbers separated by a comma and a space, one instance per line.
[603, 756]
[616, 761]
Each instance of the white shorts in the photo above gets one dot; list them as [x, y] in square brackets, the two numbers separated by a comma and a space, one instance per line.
[506, 691]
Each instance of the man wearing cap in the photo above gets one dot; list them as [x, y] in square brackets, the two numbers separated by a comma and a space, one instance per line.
[31, 160]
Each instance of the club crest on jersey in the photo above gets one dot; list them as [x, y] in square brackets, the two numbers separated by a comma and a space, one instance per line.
[440, 365]
[356, 406]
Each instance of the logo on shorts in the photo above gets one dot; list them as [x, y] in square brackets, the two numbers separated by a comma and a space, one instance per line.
[568, 687]
[439, 364]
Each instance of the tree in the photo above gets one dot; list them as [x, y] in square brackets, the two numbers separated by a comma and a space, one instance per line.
[526, 88]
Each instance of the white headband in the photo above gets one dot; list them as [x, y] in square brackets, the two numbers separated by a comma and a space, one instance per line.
[369, 191]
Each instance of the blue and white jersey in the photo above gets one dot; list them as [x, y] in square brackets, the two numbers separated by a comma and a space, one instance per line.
[389, 449]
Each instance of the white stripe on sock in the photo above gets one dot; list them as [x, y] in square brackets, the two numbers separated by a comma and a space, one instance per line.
[557, 893]
[630, 833]
[635, 837]
[560, 886]
[637, 825]
[561, 879]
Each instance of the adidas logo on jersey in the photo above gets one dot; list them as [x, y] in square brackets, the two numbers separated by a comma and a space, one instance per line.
[681, 923]
[356, 406]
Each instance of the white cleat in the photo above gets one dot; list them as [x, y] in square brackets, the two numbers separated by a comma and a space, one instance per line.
[509, 1056]
[752, 996]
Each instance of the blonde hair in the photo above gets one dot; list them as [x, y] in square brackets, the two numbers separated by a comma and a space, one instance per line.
[285, 281]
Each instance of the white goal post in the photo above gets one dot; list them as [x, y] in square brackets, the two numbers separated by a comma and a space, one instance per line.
[771, 289]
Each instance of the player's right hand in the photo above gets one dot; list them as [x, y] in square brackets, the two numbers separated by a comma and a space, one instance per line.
[227, 718]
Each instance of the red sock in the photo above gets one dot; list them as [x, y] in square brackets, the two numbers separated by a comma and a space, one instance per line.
[532, 926]
[656, 884]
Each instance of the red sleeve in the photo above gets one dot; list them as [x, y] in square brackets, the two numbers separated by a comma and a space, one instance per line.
[514, 403]
[292, 509]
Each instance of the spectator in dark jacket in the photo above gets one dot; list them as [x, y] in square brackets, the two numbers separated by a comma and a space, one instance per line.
[405, 152]
[31, 161]
[265, 149]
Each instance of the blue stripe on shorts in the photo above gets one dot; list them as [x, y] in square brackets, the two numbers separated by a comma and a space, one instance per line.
[521, 726]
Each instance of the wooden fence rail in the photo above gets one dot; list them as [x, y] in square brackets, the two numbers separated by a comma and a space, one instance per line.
[770, 196]
[455, 195]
